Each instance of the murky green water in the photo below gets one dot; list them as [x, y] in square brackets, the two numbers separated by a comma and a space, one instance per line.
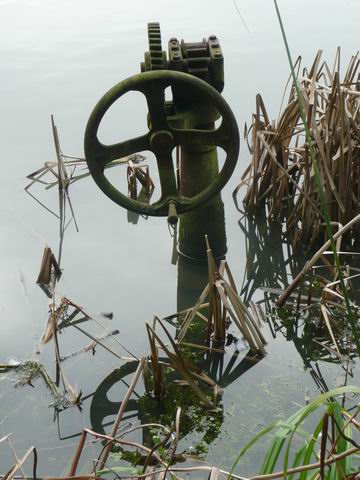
[59, 58]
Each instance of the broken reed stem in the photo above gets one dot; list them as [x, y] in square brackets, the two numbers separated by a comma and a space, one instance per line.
[76, 477]
[282, 299]
[270, 476]
[78, 454]
[18, 466]
[107, 449]
[97, 341]
[17, 460]
[223, 301]
[272, 155]
[111, 440]
[184, 368]
[159, 385]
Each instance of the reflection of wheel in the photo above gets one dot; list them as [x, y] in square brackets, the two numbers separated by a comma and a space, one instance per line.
[195, 418]
[161, 139]
[101, 407]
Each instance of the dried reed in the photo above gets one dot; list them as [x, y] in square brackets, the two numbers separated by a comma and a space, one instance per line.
[281, 175]
[223, 304]
[187, 370]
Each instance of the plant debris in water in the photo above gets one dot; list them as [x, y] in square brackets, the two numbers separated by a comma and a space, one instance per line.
[29, 371]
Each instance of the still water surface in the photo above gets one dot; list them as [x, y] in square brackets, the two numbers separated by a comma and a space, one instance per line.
[60, 58]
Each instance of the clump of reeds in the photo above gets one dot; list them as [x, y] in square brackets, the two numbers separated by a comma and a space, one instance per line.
[224, 305]
[281, 175]
[174, 358]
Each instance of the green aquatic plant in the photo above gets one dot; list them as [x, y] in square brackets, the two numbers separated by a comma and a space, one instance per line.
[330, 446]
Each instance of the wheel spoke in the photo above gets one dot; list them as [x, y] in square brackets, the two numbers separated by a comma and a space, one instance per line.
[155, 97]
[108, 153]
[193, 137]
[167, 175]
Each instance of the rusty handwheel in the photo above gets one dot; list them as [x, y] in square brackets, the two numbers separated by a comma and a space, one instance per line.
[161, 140]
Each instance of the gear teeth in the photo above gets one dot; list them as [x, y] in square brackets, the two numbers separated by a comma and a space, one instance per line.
[156, 54]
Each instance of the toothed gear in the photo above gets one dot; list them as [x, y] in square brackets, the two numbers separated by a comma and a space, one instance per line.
[157, 57]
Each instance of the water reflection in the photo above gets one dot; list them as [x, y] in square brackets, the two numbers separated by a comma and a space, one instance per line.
[223, 367]
[102, 407]
[144, 409]
[269, 268]
[270, 261]
[311, 342]
[144, 196]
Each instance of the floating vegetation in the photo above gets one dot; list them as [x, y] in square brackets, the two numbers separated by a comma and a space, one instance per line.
[319, 307]
[281, 177]
[300, 319]
[29, 371]
[204, 422]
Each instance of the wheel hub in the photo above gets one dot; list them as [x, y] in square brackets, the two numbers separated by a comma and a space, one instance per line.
[162, 141]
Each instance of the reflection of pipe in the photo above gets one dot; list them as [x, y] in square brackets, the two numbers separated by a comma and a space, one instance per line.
[267, 264]
[198, 168]
[192, 279]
